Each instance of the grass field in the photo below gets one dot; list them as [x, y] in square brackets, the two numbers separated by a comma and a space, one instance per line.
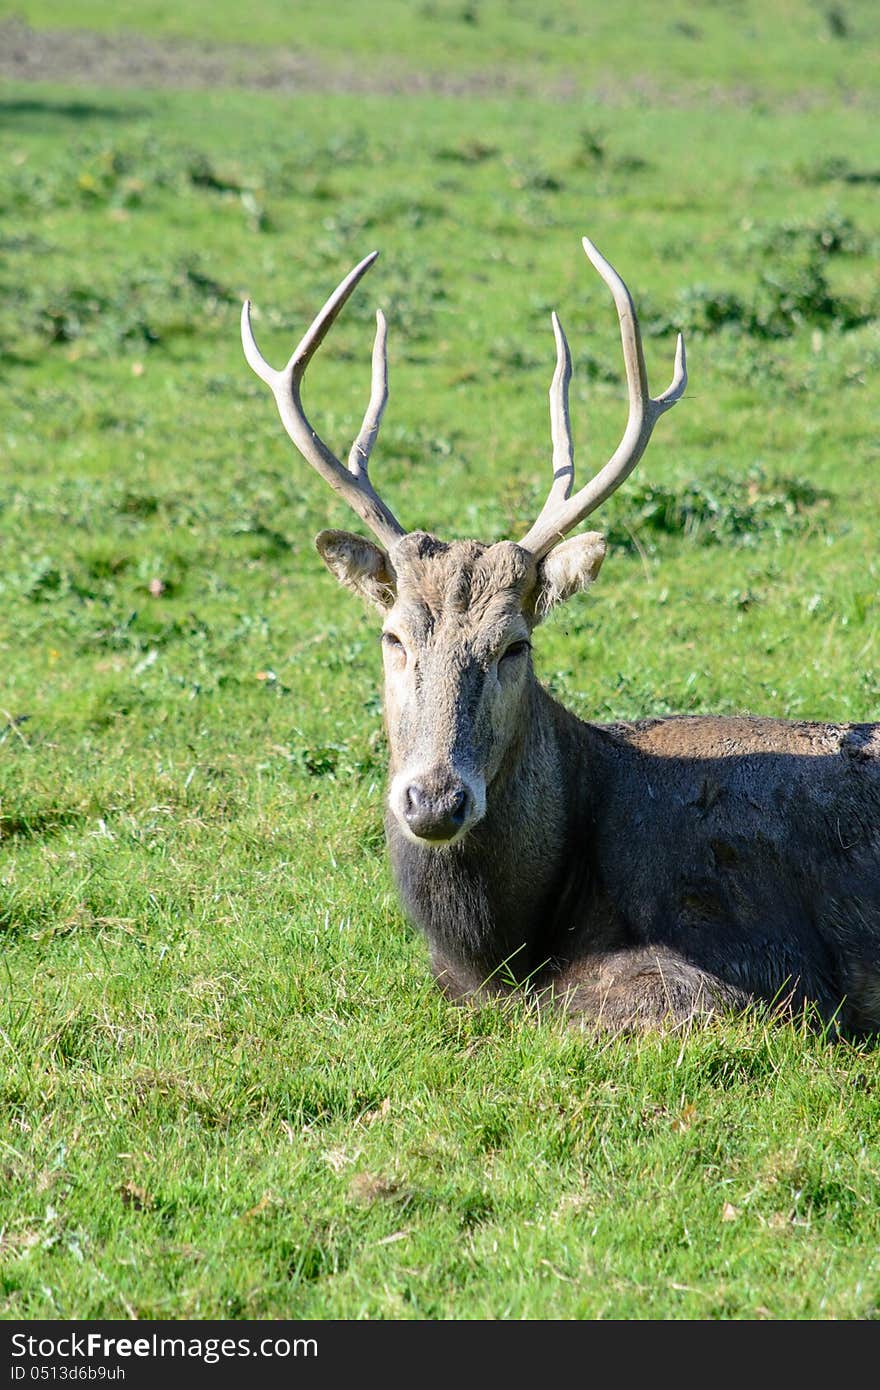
[228, 1087]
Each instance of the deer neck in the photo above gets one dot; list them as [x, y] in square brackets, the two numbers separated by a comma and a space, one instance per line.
[491, 901]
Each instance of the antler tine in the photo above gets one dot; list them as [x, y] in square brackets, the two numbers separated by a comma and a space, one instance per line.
[560, 424]
[352, 483]
[359, 457]
[561, 512]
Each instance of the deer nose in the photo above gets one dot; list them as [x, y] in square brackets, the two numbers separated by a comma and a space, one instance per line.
[436, 815]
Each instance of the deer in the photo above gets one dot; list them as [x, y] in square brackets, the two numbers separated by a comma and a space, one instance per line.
[634, 876]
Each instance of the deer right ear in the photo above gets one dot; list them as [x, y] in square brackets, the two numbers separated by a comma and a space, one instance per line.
[359, 565]
[567, 570]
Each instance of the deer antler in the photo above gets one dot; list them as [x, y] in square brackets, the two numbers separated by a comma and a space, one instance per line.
[352, 483]
[561, 512]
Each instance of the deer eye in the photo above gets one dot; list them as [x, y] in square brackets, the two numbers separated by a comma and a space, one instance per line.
[516, 649]
[392, 642]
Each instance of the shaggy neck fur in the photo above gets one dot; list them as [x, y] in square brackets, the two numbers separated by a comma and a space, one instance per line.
[495, 904]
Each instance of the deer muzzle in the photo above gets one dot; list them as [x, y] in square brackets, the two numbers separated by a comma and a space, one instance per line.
[437, 807]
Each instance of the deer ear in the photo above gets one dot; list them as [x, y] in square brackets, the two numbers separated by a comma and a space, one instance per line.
[567, 570]
[359, 565]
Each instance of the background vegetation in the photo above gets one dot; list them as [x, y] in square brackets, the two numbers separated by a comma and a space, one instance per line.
[227, 1087]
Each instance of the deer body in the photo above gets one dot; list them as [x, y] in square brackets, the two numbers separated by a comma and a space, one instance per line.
[634, 875]
[634, 871]
[726, 897]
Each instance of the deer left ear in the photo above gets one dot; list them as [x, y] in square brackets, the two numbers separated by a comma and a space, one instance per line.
[359, 565]
[567, 570]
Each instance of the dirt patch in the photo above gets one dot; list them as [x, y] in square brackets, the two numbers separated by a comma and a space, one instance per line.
[132, 60]
[81, 56]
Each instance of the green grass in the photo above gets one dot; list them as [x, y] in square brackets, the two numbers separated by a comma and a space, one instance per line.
[228, 1087]
[789, 46]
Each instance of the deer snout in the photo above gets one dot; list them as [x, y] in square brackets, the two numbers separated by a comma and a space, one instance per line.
[437, 805]
[436, 815]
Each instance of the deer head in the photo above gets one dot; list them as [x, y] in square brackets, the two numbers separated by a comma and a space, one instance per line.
[458, 616]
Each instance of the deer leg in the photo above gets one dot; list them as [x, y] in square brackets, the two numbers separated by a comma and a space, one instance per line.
[646, 988]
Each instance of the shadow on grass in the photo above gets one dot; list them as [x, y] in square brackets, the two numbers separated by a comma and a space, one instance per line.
[29, 111]
[37, 825]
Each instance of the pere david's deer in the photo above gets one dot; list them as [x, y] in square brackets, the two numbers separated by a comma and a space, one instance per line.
[636, 875]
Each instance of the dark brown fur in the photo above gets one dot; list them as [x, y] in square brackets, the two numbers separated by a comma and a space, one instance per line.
[662, 869]
[632, 874]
